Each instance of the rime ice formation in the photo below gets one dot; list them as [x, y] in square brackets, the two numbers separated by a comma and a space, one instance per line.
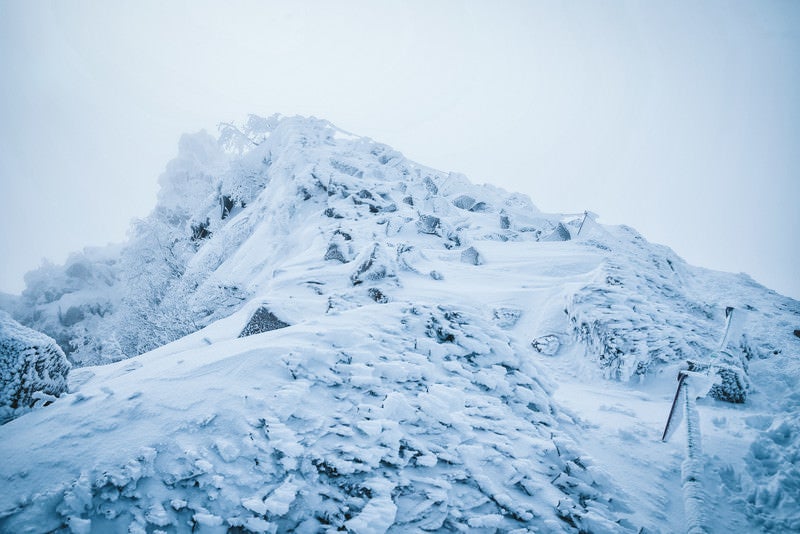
[312, 333]
[33, 369]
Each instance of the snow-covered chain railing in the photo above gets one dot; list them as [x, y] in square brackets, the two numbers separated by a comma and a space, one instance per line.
[693, 495]
[691, 386]
[692, 467]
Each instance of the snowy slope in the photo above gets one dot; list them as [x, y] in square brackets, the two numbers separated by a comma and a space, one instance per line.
[455, 360]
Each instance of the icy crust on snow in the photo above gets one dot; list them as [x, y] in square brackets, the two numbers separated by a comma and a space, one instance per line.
[430, 420]
[33, 369]
[774, 464]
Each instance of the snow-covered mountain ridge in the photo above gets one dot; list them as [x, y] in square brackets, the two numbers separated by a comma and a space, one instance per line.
[448, 364]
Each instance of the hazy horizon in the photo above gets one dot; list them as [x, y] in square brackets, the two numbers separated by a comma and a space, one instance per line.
[680, 120]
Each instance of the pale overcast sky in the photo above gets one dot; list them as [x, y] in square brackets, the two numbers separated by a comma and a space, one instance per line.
[680, 118]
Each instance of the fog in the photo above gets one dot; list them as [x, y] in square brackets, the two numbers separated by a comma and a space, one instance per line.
[681, 119]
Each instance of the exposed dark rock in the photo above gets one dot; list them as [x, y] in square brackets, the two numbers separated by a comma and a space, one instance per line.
[429, 224]
[471, 256]
[200, 230]
[345, 235]
[330, 212]
[453, 241]
[372, 266]
[334, 253]
[226, 205]
[432, 188]
[262, 321]
[346, 168]
[464, 202]
[559, 234]
[382, 204]
[479, 206]
[797, 333]
[316, 286]
[505, 223]
[377, 295]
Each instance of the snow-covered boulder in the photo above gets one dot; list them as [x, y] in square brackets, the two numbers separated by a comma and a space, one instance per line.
[471, 256]
[33, 369]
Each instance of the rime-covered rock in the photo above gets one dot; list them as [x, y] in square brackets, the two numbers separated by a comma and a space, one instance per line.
[373, 264]
[428, 224]
[33, 368]
[471, 256]
[547, 345]
[559, 233]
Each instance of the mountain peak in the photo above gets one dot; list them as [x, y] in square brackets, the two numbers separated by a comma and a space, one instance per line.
[317, 334]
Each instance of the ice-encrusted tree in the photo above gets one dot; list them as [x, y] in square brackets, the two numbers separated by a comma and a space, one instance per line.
[158, 304]
[156, 309]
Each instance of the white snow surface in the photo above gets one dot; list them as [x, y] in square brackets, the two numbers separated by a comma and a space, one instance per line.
[456, 360]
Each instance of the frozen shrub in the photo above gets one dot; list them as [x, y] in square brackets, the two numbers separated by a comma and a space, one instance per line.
[732, 383]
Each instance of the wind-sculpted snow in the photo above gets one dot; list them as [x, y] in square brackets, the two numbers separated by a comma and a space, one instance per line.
[429, 420]
[417, 353]
[774, 462]
[33, 370]
[271, 189]
[637, 314]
